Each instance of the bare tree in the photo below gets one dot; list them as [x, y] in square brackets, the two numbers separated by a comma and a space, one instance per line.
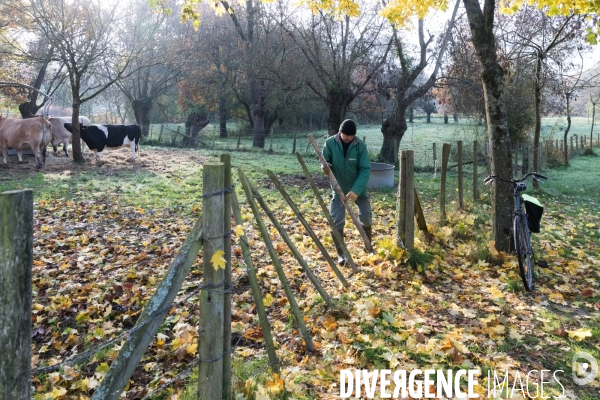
[158, 68]
[406, 90]
[85, 38]
[544, 36]
[343, 54]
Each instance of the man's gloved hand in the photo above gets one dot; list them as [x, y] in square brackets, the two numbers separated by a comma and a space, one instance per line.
[325, 169]
[351, 196]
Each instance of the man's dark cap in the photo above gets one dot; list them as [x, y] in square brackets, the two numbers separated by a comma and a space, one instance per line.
[348, 127]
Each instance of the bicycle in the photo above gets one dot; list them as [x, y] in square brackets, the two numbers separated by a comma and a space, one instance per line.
[521, 230]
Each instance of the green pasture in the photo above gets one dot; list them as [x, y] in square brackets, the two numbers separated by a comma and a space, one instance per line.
[420, 137]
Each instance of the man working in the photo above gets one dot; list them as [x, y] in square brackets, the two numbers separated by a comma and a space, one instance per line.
[348, 159]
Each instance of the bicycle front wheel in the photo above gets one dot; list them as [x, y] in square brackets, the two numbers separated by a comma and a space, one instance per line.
[523, 247]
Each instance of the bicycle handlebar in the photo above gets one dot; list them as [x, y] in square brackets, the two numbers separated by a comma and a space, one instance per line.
[536, 176]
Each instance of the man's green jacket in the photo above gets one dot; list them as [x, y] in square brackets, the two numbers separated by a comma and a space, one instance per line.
[352, 172]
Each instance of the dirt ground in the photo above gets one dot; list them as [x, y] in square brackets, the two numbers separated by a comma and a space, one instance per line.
[155, 160]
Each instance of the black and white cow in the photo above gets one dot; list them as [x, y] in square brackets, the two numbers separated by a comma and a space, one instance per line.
[97, 137]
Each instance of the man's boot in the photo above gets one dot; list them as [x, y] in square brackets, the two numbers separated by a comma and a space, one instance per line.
[338, 247]
[369, 233]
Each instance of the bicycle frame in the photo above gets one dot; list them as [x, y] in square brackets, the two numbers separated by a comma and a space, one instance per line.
[520, 229]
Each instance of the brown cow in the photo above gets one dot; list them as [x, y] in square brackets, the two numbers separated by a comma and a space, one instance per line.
[20, 134]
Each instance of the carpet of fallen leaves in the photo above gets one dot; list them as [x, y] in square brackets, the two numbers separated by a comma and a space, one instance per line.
[454, 303]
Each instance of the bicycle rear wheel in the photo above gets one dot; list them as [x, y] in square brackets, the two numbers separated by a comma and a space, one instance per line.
[524, 251]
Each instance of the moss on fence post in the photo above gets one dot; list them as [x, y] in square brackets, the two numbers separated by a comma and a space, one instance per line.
[16, 259]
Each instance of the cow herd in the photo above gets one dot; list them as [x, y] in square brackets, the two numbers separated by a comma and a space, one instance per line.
[38, 132]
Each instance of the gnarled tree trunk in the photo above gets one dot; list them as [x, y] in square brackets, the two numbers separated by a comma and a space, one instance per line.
[141, 110]
[481, 23]
[194, 124]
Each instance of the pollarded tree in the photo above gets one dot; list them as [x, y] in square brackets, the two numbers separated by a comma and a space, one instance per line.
[85, 35]
[406, 87]
[545, 37]
[30, 55]
[343, 53]
[158, 68]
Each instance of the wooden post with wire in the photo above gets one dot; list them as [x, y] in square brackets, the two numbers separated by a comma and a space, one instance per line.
[445, 157]
[210, 336]
[405, 202]
[226, 160]
[342, 195]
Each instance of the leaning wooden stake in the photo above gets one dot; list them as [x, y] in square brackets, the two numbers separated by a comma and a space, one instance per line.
[306, 225]
[16, 260]
[226, 160]
[335, 232]
[445, 156]
[342, 195]
[286, 286]
[260, 308]
[154, 313]
[419, 213]
[292, 247]
[210, 337]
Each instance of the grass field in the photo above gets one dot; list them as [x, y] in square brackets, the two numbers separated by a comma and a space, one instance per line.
[104, 237]
[419, 137]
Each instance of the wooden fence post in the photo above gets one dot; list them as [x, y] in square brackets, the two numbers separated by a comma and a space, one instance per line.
[540, 155]
[434, 161]
[459, 147]
[162, 127]
[571, 144]
[226, 160]
[294, 143]
[475, 186]
[405, 202]
[210, 337]
[576, 143]
[16, 260]
[445, 156]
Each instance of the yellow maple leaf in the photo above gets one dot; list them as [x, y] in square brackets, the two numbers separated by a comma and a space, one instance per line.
[275, 386]
[191, 348]
[515, 334]
[580, 334]
[239, 231]
[217, 260]
[268, 300]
